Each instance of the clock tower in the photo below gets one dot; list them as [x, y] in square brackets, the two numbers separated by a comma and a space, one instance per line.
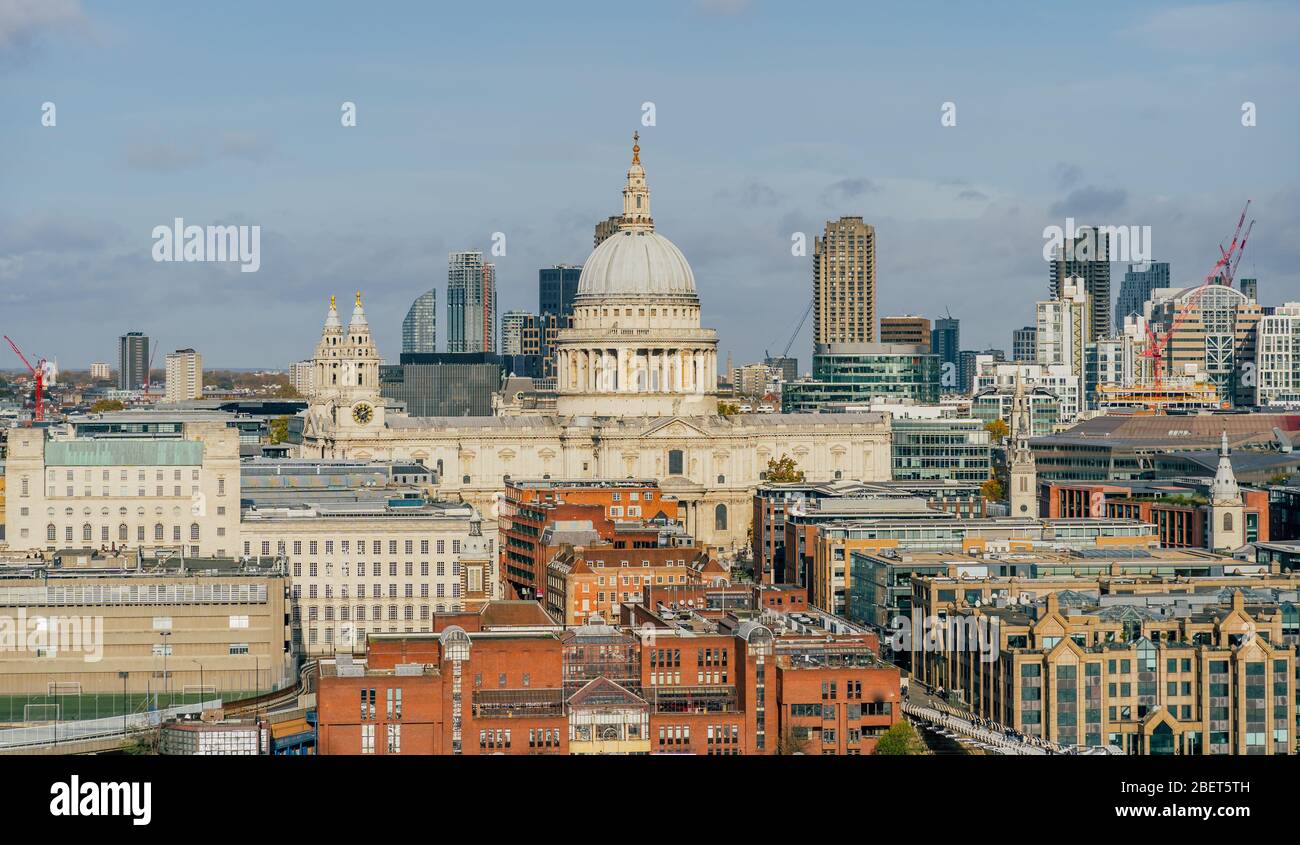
[347, 373]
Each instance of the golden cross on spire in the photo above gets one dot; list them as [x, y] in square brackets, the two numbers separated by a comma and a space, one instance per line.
[331, 302]
[358, 299]
[636, 148]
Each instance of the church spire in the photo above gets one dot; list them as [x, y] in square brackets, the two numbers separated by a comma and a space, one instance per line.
[636, 195]
[332, 322]
[1224, 488]
[358, 320]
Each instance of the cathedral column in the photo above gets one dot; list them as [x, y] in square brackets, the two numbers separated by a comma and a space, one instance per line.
[663, 370]
[623, 367]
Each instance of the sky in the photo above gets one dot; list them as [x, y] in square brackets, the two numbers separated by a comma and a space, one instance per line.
[516, 118]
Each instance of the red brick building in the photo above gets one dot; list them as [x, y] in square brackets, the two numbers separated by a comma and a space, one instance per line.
[626, 514]
[1179, 509]
[673, 682]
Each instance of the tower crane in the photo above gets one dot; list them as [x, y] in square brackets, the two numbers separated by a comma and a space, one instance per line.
[1222, 273]
[41, 373]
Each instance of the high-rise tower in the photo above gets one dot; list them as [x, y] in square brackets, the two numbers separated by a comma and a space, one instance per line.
[420, 328]
[844, 283]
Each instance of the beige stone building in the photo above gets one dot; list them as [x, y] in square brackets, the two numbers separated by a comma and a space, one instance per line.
[637, 397]
[178, 493]
[184, 375]
[214, 626]
[844, 283]
[359, 568]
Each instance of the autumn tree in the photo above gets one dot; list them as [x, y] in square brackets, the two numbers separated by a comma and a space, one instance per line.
[900, 740]
[279, 430]
[997, 429]
[783, 470]
[103, 405]
[992, 490]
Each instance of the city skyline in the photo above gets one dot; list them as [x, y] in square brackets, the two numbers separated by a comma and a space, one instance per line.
[380, 208]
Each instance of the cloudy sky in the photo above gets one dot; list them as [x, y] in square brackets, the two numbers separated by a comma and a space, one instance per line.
[510, 117]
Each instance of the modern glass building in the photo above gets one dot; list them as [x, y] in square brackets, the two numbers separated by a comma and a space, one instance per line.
[420, 328]
[945, 341]
[859, 372]
[959, 449]
[1140, 280]
[445, 384]
[471, 303]
[994, 403]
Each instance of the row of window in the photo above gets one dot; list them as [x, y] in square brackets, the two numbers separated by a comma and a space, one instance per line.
[123, 532]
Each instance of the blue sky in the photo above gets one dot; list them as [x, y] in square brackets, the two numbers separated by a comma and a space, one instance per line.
[516, 117]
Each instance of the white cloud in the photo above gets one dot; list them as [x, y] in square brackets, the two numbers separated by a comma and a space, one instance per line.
[23, 20]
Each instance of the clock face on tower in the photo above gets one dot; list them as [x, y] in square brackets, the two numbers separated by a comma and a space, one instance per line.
[362, 413]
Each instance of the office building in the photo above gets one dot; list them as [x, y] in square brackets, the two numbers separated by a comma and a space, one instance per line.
[420, 326]
[358, 568]
[945, 448]
[945, 341]
[1140, 282]
[519, 330]
[444, 384]
[844, 283]
[605, 228]
[471, 303]
[1214, 335]
[856, 373]
[176, 492]
[132, 361]
[1277, 357]
[1201, 673]
[184, 375]
[556, 289]
[908, 329]
[1086, 258]
[1024, 344]
[969, 362]
[1064, 329]
[100, 371]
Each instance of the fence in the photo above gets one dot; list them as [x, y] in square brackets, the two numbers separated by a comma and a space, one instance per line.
[56, 732]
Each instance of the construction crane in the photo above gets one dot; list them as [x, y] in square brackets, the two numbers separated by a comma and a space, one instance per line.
[785, 353]
[1223, 273]
[148, 368]
[42, 373]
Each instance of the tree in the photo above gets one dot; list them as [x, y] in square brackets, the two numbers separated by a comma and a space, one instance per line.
[992, 490]
[900, 740]
[997, 429]
[727, 409]
[106, 405]
[783, 470]
[279, 430]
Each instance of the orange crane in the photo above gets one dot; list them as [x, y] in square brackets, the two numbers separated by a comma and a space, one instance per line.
[1225, 269]
[38, 373]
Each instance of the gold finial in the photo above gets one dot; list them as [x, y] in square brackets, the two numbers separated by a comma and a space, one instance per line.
[332, 307]
[636, 148]
[358, 299]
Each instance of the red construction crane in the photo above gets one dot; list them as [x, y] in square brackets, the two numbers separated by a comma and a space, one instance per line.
[1223, 272]
[38, 373]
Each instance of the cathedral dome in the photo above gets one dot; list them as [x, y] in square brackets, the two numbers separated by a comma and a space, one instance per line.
[636, 262]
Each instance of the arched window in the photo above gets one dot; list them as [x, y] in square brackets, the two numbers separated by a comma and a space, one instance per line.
[50, 532]
[194, 531]
[720, 518]
[121, 532]
[1227, 521]
[158, 531]
[675, 462]
[86, 531]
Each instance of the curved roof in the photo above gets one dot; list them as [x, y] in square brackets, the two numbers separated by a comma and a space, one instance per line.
[636, 263]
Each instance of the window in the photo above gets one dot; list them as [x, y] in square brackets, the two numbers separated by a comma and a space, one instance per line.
[675, 462]
[367, 739]
[720, 517]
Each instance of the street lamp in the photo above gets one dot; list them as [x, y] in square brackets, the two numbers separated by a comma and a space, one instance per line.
[166, 647]
[200, 684]
[124, 676]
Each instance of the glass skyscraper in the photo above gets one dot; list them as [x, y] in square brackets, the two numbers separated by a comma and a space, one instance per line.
[1139, 281]
[471, 303]
[420, 328]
